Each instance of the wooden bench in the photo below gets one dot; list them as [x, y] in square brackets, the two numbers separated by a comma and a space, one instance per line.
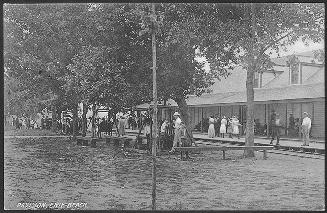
[116, 140]
[87, 141]
[92, 141]
[225, 148]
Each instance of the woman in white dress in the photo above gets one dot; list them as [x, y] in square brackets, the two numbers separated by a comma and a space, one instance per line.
[236, 124]
[211, 130]
[223, 126]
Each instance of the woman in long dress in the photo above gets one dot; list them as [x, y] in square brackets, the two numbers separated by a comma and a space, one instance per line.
[211, 130]
[223, 126]
[229, 127]
[121, 126]
[236, 124]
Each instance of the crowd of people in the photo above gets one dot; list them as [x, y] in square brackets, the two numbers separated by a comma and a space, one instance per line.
[219, 127]
[25, 122]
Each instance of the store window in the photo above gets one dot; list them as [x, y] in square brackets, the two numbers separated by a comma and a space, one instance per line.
[295, 74]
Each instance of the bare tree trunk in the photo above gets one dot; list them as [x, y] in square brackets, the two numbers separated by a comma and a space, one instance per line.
[93, 120]
[54, 118]
[75, 117]
[185, 115]
[84, 121]
[249, 138]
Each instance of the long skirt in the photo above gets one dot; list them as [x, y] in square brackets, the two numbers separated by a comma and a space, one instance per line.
[236, 130]
[229, 129]
[222, 129]
[211, 131]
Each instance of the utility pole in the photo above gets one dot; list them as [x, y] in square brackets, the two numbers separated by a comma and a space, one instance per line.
[155, 110]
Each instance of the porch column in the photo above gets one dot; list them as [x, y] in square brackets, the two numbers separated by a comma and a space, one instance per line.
[267, 118]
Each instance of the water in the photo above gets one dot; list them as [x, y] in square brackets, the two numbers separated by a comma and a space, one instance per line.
[53, 170]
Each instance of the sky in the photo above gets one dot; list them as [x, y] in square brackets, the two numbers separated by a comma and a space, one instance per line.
[298, 47]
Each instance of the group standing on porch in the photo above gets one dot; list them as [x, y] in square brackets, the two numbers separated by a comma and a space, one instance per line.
[224, 125]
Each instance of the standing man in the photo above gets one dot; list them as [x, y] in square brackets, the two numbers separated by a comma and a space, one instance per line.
[276, 128]
[178, 131]
[306, 126]
[272, 123]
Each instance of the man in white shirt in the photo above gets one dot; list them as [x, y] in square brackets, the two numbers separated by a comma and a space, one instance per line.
[164, 126]
[163, 133]
[306, 126]
[178, 131]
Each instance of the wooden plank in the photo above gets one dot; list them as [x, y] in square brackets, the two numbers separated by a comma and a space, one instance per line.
[220, 148]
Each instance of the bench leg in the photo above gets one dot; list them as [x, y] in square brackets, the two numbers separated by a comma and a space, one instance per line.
[79, 142]
[264, 154]
[85, 142]
[93, 143]
[224, 154]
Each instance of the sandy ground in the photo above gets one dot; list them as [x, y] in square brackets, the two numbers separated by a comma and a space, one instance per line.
[55, 170]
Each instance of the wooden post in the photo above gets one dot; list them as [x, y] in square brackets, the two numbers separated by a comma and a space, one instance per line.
[155, 108]
[201, 119]
[264, 154]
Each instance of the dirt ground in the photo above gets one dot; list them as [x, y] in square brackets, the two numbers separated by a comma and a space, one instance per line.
[52, 170]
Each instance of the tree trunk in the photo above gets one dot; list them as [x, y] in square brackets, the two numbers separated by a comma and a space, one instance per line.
[84, 120]
[249, 138]
[75, 117]
[185, 116]
[93, 120]
[54, 118]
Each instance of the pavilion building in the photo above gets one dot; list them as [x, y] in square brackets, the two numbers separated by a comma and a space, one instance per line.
[294, 85]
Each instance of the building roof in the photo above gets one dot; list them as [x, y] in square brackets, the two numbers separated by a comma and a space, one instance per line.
[233, 88]
[262, 94]
[282, 80]
[236, 81]
[169, 103]
[317, 77]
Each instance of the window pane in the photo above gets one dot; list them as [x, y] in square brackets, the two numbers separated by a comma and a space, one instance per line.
[294, 74]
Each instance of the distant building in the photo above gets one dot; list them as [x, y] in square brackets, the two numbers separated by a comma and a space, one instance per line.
[294, 85]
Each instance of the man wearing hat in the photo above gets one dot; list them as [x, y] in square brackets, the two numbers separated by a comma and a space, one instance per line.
[178, 131]
[306, 126]
[276, 129]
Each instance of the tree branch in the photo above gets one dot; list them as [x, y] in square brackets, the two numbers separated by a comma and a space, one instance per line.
[273, 42]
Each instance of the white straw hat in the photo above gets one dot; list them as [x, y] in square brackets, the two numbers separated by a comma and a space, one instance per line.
[176, 113]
